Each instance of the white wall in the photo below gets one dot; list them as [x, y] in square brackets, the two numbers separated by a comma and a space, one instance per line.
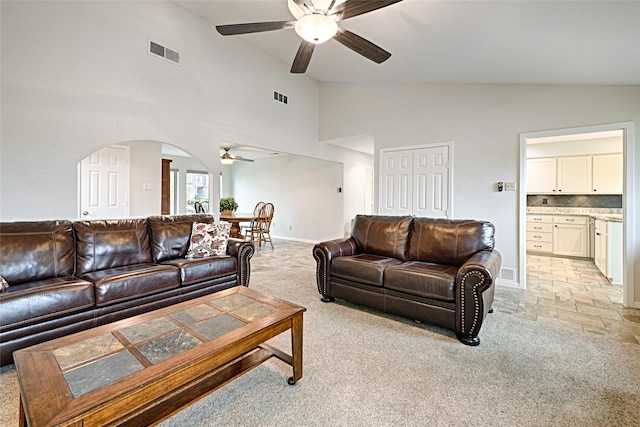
[303, 190]
[145, 160]
[76, 77]
[575, 148]
[484, 122]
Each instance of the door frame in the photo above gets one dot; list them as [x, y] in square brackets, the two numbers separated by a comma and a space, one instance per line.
[631, 244]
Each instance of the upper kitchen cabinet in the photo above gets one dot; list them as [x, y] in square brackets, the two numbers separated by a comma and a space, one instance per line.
[541, 177]
[597, 174]
[607, 174]
[574, 175]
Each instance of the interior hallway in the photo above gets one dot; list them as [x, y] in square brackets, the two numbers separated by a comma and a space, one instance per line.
[566, 293]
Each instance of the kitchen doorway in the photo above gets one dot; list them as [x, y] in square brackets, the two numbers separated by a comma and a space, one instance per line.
[627, 131]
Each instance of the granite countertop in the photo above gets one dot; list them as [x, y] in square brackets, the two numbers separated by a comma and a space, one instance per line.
[604, 214]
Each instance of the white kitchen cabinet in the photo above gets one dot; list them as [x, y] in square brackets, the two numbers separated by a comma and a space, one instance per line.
[607, 173]
[597, 174]
[600, 246]
[608, 250]
[540, 233]
[541, 176]
[571, 236]
[574, 175]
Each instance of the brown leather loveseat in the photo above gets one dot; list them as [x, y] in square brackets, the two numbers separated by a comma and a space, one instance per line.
[437, 271]
[66, 276]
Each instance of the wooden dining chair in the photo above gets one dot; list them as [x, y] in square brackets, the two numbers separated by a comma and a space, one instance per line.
[266, 221]
[261, 227]
[198, 207]
[246, 229]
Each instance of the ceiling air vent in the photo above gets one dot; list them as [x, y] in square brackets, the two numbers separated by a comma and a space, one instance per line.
[164, 52]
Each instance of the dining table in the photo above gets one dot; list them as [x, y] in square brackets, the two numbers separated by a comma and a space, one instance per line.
[235, 219]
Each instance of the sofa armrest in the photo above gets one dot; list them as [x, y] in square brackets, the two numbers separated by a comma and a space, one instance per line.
[323, 253]
[474, 292]
[243, 251]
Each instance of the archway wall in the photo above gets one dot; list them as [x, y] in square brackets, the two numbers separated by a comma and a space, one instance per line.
[65, 96]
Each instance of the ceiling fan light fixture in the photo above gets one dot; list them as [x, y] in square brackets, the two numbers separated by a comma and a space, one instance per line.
[316, 28]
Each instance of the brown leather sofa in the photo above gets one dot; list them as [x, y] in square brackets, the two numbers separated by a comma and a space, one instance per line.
[436, 271]
[66, 277]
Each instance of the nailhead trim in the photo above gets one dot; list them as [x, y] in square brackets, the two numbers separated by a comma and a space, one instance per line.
[475, 299]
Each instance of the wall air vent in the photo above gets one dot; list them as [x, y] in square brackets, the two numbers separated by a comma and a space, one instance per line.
[279, 97]
[164, 52]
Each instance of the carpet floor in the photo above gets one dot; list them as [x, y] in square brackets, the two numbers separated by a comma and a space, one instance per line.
[366, 368]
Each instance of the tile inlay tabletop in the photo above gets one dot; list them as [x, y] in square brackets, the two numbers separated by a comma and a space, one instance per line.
[147, 367]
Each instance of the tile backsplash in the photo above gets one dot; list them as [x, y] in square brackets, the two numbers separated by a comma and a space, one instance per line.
[574, 201]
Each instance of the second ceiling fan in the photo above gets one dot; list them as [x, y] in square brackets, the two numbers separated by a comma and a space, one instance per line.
[316, 22]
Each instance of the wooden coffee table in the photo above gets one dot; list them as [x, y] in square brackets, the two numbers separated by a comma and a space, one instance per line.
[141, 370]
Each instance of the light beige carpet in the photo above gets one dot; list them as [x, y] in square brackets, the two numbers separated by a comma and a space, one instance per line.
[364, 368]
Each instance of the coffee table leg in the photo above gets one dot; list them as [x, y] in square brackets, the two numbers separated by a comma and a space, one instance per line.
[22, 421]
[296, 348]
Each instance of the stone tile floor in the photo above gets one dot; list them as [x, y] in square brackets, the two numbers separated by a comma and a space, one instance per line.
[563, 292]
[571, 294]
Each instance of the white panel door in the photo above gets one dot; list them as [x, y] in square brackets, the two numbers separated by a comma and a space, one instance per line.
[431, 174]
[104, 184]
[397, 183]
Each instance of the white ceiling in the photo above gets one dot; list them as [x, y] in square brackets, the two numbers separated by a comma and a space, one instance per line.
[494, 42]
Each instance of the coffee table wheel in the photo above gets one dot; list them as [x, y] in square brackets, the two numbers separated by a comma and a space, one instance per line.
[291, 381]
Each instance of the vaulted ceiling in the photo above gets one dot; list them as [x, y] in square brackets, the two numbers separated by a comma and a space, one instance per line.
[494, 42]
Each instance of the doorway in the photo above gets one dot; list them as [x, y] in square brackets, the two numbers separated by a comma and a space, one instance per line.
[628, 199]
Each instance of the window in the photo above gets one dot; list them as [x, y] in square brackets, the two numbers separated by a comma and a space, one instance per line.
[197, 190]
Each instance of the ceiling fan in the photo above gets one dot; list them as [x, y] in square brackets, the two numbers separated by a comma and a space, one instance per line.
[227, 159]
[316, 22]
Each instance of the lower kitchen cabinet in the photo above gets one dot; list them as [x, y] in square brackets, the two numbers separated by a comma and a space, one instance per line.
[571, 236]
[608, 250]
[563, 235]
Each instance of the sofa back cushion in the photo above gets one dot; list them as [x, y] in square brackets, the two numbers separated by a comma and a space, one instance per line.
[103, 244]
[170, 234]
[36, 250]
[449, 241]
[382, 235]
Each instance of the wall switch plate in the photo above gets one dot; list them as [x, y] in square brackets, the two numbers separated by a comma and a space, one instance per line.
[147, 187]
[509, 186]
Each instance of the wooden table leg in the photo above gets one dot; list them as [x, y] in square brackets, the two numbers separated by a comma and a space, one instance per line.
[22, 420]
[296, 348]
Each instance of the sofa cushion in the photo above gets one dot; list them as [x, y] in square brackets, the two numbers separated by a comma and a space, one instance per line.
[42, 300]
[363, 268]
[387, 236]
[449, 241]
[132, 281]
[36, 250]
[422, 279]
[170, 234]
[208, 239]
[104, 244]
[194, 270]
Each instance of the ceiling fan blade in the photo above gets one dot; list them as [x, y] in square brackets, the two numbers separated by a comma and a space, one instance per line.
[241, 159]
[254, 27]
[362, 46]
[352, 8]
[303, 57]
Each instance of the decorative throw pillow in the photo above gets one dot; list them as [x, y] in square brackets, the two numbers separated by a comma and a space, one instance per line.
[3, 284]
[208, 239]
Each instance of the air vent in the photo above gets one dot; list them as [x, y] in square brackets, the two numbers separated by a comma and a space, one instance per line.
[279, 97]
[508, 274]
[164, 52]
